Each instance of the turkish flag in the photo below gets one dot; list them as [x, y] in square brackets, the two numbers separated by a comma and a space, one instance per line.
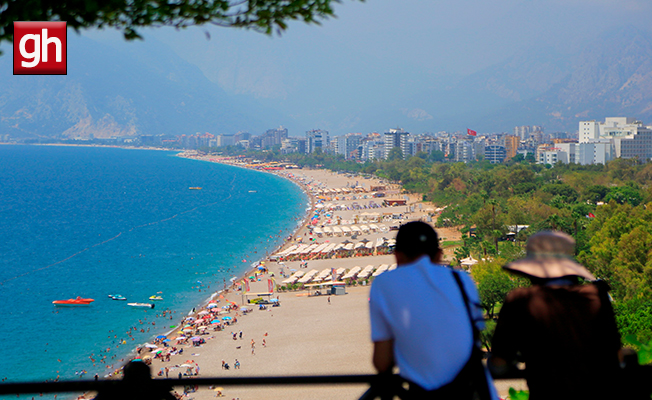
[471, 132]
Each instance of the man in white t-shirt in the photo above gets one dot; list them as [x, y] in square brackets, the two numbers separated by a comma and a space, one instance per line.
[419, 320]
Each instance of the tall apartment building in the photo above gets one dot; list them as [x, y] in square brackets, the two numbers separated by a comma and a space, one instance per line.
[349, 145]
[511, 145]
[628, 137]
[273, 137]
[396, 138]
[316, 139]
[495, 154]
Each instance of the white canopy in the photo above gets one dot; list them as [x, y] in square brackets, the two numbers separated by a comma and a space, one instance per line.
[380, 270]
[352, 273]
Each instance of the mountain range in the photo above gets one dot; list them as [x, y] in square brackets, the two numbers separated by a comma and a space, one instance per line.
[146, 88]
[143, 88]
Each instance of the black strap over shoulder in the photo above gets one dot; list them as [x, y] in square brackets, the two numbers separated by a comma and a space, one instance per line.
[477, 371]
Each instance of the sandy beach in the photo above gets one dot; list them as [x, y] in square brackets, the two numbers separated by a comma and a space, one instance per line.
[305, 335]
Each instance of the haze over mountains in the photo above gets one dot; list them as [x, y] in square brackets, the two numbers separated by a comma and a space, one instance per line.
[182, 82]
[143, 88]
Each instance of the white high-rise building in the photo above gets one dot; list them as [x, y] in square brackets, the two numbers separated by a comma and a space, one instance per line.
[396, 138]
[616, 137]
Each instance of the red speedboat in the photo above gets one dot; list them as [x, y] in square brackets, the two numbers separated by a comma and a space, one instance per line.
[73, 302]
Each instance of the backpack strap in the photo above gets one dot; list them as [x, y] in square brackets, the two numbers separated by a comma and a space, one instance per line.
[476, 352]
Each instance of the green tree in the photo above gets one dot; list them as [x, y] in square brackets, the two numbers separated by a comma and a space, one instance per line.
[395, 154]
[493, 284]
[262, 15]
[624, 194]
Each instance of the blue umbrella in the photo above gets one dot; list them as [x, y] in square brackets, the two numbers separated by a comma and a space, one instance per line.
[166, 340]
[215, 321]
[226, 318]
[161, 337]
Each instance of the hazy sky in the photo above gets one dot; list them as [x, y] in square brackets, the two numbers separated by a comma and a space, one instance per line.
[382, 51]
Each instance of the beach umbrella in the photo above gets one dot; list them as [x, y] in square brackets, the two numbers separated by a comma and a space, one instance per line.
[244, 309]
[213, 305]
[161, 337]
[203, 312]
[166, 340]
[215, 321]
[195, 339]
[227, 318]
[150, 346]
[185, 366]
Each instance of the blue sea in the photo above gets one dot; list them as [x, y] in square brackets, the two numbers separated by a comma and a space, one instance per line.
[89, 222]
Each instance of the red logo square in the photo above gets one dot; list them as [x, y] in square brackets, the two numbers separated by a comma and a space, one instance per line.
[40, 48]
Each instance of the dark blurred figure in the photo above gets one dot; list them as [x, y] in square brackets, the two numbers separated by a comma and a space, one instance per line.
[136, 384]
[563, 330]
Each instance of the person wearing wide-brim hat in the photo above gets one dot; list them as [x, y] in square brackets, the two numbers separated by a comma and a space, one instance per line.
[564, 329]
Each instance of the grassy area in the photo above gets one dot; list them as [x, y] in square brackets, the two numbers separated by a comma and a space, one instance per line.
[452, 243]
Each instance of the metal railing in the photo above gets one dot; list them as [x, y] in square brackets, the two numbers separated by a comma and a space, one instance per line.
[377, 384]
[637, 383]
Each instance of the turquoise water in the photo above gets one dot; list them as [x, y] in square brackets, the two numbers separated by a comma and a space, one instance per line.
[89, 222]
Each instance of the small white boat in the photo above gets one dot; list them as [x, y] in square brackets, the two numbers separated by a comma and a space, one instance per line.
[142, 305]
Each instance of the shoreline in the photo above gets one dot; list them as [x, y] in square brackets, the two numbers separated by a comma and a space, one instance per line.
[132, 354]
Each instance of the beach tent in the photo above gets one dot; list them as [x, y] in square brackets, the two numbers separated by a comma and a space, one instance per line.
[364, 228]
[309, 276]
[319, 248]
[380, 270]
[366, 272]
[356, 229]
[288, 250]
[352, 273]
[329, 248]
[337, 230]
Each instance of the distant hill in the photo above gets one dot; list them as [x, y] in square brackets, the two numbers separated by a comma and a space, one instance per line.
[147, 89]
[611, 76]
[608, 76]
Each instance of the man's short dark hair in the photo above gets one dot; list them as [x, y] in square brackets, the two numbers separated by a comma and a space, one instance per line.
[417, 238]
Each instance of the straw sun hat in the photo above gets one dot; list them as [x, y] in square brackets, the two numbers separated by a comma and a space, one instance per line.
[549, 256]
